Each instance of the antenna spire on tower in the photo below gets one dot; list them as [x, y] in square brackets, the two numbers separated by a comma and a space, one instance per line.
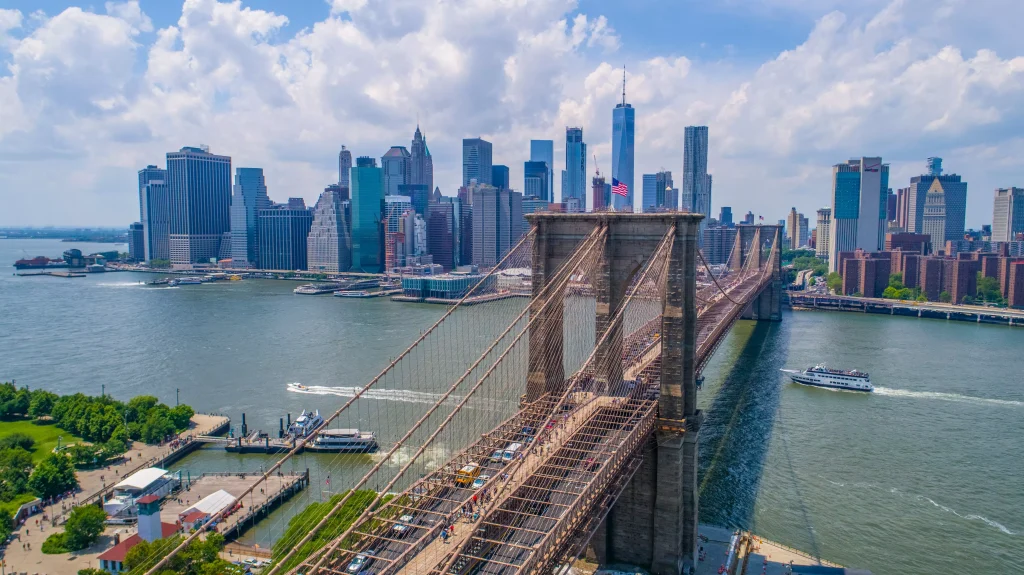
[623, 85]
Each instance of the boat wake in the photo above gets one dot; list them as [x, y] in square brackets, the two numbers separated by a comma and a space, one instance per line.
[896, 491]
[402, 395]
[956, 397]
[971, 517]
[119, 284]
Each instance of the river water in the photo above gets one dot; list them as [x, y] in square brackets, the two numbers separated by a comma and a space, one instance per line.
[925, 476]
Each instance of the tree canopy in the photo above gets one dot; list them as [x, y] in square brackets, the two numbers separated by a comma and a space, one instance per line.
[84, 526]
[15, 467]
[200, 557]
[54, 475]
[835, 282]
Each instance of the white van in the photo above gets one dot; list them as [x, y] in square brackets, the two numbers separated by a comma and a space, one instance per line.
[496, 456]
[510, 451]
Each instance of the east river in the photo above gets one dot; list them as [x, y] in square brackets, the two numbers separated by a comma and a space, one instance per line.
[925, 476]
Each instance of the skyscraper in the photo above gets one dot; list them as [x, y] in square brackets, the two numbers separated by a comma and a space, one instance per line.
[793, 225]
[136, 242]
[344, 165]
[497, 223]
[623, 125]
[535, 180]
[1007, 214]
[544, 151]
[658, 193]
[421, 164]
[696, 181]
[328, 247]
[954, 192]
[248, 198]
[154, 205]
[725, 216]
[648, 195]
[283, 231]
[858, 207]
[396, 165]
[442, 233]
[666, 197]
[933, 221]
[499, 177]
[575, 167]
[399, 230]
[199, 191]
[824, 228]
[367, 189]
[476, 161]
[598, 199]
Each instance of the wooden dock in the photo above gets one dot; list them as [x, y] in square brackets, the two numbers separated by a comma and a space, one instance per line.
[276, 490]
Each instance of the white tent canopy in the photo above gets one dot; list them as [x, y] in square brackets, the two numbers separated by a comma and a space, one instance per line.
[212, 504]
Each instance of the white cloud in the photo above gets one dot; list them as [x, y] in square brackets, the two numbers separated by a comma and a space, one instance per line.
[99, 95]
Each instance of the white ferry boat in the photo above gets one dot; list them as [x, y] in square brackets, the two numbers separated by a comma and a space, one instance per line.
[305, 423]
[344, 441]
[824, 376]
[315, 289]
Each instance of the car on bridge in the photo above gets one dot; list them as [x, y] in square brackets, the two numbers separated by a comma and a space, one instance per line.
[467, 474]
[360, 562]
[403, 527]
[481, 481]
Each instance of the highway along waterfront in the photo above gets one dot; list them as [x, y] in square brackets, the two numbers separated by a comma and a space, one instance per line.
[921, 477]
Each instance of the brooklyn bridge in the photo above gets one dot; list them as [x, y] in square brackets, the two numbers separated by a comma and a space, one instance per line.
[558, 423]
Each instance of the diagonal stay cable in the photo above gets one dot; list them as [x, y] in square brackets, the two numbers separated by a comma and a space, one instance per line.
[300, 444]
[325, 553]
[530, 449]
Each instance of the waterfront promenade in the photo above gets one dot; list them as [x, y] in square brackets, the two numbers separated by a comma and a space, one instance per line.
[934, 310]
[94, 484]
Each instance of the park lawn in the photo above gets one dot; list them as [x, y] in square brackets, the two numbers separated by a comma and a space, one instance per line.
[18, 501]
[45, 434]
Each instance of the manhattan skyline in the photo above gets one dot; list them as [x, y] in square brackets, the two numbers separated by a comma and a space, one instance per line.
[98, 119]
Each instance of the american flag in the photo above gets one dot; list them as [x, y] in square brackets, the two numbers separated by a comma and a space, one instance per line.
[620, 188]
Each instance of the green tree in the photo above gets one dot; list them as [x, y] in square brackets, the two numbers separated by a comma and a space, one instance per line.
[6, 523]
[21, 440]
[891, 293]
[922, 298]
[15, 467]
[92, 571]
[896, 281]
[835, 282]
[84, 526]
[41, 403]
[54, 475]
[967, 300]
[159, 263]
[139, 407]
[944, 297]
[180, 416]
[988, 290]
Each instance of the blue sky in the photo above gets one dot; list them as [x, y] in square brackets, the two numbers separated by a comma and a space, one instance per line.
[95, 91]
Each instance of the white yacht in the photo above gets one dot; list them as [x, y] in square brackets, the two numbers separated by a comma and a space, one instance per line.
[344, 441]
[315, 289]
[824, 376]
[305, 423]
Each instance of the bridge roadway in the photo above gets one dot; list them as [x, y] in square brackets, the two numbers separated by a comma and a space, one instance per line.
[532, 505]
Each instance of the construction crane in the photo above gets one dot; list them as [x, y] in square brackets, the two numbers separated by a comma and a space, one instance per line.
[597, 169]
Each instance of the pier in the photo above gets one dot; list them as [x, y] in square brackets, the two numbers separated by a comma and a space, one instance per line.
[933, 310]
[277, 489]
[97, 484]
